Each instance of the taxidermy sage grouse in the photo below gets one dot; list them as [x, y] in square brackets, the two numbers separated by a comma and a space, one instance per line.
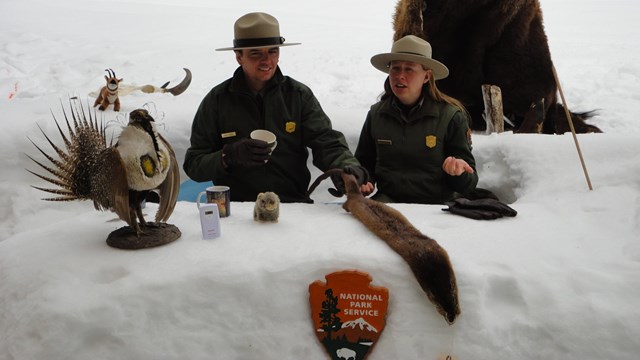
[115, 177]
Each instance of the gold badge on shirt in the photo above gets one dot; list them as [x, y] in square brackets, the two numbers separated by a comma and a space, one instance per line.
[290, 127]
[431, 141]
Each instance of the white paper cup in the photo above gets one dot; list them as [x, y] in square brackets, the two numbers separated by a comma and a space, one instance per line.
[266, 136]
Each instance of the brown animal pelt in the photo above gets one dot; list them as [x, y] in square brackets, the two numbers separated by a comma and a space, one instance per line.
[497, 42]
[407, 19]
[428, 261]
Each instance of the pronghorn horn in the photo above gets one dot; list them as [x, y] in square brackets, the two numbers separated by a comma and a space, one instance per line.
[180, 88]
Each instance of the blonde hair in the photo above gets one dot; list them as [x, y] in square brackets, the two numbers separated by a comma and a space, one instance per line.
[434, 93]
[431, 90]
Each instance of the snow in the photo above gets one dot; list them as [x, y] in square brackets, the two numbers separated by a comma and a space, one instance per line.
[559, 281]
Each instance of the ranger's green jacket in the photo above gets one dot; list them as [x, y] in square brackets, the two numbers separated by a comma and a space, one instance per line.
[287, 108]
[404, 154]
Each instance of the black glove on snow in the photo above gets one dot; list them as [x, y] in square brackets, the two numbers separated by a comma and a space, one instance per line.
[481, 209]
[246, 152]
[361, 174]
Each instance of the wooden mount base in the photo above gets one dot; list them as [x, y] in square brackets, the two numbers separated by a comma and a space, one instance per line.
[152, 235]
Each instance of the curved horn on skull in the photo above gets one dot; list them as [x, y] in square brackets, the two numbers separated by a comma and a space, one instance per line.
[180, 88]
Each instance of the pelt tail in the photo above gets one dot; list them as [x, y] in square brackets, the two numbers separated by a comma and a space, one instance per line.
[323, 176]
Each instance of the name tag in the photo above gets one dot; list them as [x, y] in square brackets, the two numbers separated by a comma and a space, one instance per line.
[228, 134]
[384, 142]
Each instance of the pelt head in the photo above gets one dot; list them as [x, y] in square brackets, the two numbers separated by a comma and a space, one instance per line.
[436, 277]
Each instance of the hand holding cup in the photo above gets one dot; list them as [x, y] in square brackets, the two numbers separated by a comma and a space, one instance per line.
[266, 136]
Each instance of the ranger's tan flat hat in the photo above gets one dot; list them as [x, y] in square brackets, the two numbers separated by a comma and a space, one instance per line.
[256, 30]
[414, 49]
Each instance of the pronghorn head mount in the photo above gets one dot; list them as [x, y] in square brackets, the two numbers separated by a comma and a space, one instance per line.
[112, 79]
[108, 95]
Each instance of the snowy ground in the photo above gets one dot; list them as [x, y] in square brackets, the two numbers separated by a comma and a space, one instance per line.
[559, 281]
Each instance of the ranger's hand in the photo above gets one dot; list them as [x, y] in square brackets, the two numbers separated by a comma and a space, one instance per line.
[360, 173]
[456, 167]
[246, 152]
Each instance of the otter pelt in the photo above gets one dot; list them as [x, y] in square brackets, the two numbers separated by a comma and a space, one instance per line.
[497, 42]
[428, 261]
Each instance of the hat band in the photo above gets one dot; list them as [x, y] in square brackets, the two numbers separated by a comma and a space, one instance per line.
[411, 53]
[256, 42]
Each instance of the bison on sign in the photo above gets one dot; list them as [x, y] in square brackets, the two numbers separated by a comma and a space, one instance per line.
[497, 42]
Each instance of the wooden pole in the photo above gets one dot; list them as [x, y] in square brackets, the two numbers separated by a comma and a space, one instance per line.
[493, 113]
[573, 130]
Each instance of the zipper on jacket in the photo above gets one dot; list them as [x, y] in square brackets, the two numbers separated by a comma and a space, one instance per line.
[261, 110]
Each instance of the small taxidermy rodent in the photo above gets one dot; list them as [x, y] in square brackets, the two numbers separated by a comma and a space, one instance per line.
[267, 207]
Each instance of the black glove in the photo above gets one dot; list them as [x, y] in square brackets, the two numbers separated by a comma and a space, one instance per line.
[481, 209]
[246, 152]
[361, 174]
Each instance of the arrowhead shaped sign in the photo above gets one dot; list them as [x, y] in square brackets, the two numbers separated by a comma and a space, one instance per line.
[348, 313]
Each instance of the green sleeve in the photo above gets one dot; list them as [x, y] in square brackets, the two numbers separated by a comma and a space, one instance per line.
[329, 147]
[458, 145]
[203, 158]
[366, 150]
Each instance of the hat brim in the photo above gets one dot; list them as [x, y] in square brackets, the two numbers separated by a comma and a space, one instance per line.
[256, 47]
[381, 62]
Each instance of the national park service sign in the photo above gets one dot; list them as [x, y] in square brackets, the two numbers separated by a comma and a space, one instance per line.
[348, 313]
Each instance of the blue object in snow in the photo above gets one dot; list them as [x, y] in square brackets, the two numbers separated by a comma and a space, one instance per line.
[190, 189]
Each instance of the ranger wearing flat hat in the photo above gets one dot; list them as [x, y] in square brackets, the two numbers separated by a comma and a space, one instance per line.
[259, 96]
[415, 141]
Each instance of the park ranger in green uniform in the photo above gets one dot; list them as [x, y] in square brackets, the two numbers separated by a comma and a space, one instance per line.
[415, 142]
[259, 96]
